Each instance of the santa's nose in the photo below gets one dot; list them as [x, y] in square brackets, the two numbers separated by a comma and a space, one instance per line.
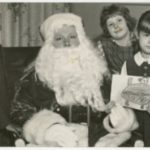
[66, 43]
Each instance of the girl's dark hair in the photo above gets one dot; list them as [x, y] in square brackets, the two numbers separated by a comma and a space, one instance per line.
[108, 11]
[144, 22]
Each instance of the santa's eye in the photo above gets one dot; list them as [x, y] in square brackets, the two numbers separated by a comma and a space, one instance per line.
[58, 38]
[73, 36]
[110, 24]
[119, 20]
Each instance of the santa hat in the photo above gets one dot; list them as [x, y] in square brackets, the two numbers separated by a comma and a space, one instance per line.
[56, 21]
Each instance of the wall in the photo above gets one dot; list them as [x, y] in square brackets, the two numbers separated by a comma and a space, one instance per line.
[90, 14]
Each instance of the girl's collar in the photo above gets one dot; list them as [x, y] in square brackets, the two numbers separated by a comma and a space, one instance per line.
[139, 59]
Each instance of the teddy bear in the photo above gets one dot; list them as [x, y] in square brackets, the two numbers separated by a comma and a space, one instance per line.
[119, 122]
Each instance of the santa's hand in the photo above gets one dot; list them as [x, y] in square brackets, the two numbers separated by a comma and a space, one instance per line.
[61, 134]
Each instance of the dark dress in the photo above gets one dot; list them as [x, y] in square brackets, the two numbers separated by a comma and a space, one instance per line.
[143, 117]
[116, 55]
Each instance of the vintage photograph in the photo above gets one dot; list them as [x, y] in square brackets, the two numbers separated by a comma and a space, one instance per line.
[74, 74]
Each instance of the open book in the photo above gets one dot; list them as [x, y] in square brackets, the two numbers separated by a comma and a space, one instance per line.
[131, 91]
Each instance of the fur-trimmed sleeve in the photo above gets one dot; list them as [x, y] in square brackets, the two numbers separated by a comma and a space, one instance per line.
[22, 108]
[29, 98]
[35, 128]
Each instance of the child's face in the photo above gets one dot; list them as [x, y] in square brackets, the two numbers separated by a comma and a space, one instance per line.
[117, 27]
[144, 41]
[66, 36]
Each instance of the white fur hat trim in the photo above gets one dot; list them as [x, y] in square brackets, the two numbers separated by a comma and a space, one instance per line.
[56, 21]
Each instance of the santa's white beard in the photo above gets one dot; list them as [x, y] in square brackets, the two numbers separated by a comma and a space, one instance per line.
[75, 74]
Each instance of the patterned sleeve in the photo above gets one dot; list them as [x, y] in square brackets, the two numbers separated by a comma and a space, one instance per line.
[22, 107]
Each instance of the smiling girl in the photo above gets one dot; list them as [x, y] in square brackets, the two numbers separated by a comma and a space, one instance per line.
[118, 40]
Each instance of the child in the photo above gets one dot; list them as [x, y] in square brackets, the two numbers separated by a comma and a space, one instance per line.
[118, 44]
[139, 66]
[118, 40]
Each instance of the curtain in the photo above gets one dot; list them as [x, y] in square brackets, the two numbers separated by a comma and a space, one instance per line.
[21, 22]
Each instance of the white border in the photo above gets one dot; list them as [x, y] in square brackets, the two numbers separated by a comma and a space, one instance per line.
[72, 1]
[67, 148]
[80, 1]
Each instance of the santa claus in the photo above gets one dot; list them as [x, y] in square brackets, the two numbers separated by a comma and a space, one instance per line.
[64, 81]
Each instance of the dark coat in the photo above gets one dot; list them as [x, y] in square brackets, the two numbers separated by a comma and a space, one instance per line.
[32, 96]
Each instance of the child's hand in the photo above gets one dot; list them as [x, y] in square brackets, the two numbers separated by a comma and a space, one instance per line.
[109, 106]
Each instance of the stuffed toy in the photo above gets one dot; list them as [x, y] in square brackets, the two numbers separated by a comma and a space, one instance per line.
[122, 121]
